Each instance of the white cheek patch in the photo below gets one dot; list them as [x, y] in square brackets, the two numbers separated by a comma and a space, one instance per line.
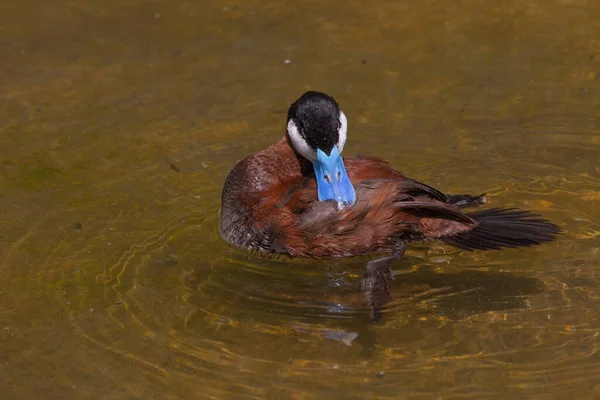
[342, 132]
[299, 143]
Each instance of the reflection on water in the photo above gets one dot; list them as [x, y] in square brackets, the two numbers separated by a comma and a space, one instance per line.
[120, 120]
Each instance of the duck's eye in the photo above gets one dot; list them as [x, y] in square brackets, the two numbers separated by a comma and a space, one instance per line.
[327, 179]
[339, 175]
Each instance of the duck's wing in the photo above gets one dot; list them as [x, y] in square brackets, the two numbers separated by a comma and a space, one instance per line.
[387, 213]
[390, 210]
[368, 167]
[365, 168]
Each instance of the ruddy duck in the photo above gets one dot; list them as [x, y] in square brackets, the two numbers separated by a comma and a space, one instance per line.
[300, 197]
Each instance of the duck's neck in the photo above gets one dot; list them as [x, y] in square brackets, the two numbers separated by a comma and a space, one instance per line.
[292, 163]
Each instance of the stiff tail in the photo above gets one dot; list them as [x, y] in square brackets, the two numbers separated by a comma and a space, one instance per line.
[504, 227]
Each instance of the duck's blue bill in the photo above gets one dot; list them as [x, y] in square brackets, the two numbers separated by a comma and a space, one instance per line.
[332, 181]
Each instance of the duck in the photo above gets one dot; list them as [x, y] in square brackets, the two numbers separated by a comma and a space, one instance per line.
[301, 198]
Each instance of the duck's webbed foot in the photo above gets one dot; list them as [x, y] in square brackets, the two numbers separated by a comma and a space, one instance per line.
[466, 200]
[375, 282]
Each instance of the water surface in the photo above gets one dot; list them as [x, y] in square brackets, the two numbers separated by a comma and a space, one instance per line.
[119, 121]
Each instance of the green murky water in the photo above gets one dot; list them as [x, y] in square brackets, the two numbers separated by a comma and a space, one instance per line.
[119, 121]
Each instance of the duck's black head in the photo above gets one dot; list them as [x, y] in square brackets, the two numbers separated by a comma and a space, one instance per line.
[317, 129]
[315, 121]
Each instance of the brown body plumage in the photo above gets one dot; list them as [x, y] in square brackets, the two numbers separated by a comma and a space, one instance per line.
[270, 203]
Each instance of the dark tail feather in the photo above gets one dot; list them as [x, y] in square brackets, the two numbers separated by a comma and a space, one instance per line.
[504, 227]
